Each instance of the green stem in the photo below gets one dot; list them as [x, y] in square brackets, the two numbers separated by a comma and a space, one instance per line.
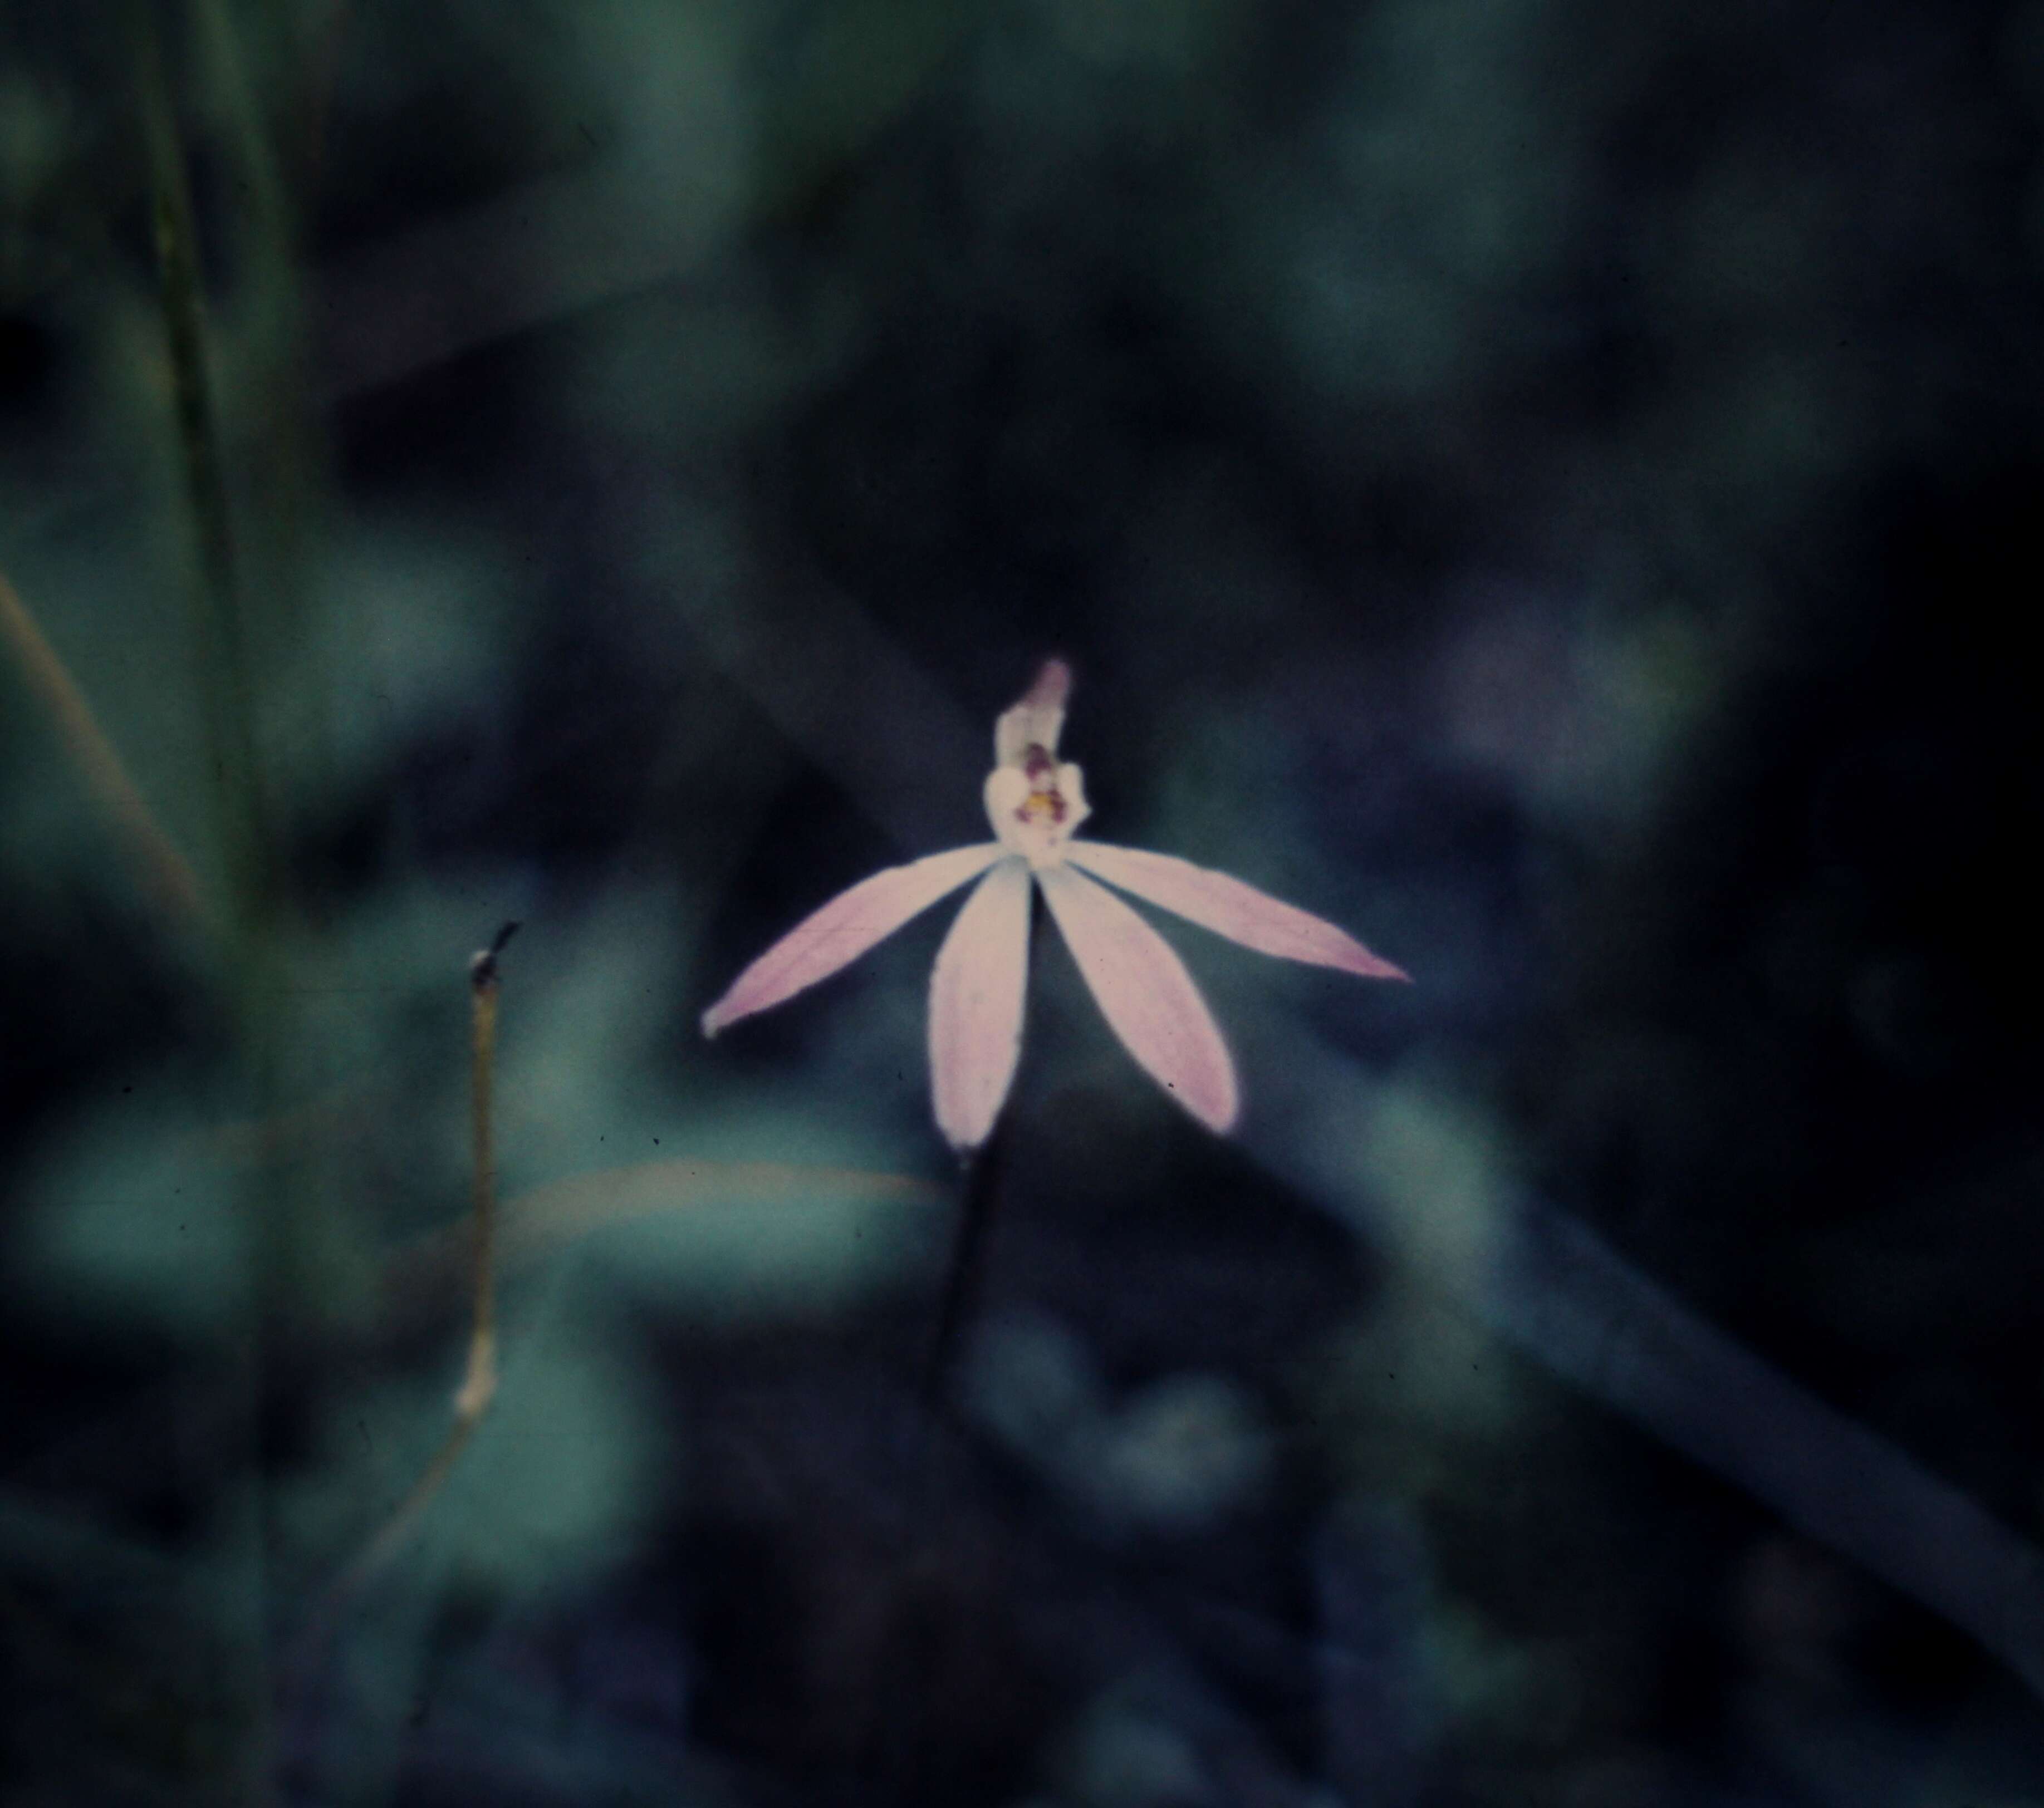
[227, 693]
[219, 629]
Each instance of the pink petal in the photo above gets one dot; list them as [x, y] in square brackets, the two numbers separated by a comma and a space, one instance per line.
[844, 929]
[976, 1005]
[1228, 907]
[1146, 994]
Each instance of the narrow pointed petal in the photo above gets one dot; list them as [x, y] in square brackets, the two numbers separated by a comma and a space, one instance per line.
[1144, 991]
[976, 992]
[852, 922]
[1228, 907]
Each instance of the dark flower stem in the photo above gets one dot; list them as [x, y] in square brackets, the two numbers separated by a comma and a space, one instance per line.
[983, 1170]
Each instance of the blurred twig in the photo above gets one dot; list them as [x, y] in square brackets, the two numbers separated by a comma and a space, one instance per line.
[478, 1385]
[164, 873]
[537, 1223]
[481, 1382]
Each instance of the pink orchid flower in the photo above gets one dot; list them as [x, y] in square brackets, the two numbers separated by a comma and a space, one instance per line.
[1036, 805]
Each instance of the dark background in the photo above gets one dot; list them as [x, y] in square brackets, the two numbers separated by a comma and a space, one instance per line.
[1551, 487]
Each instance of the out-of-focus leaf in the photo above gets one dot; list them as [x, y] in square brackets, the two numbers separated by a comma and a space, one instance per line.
[559, 1471]
[863, 63]
[1174, 1457]
[553, 1477]
[134, 1220]
[1184, 1451]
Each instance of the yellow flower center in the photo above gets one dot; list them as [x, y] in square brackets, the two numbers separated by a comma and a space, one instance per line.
[1034, 804]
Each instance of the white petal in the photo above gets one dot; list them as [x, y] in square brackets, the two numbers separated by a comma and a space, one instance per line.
[976, 992]
[844, 929]
[1226, 905]
[1146, 994]
[1037, 719]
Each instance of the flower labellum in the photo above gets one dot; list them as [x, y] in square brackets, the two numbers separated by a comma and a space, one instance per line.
[1035, 804]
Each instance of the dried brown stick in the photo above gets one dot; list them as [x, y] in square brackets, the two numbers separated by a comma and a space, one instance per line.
[478, 1385]
[164, 873]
